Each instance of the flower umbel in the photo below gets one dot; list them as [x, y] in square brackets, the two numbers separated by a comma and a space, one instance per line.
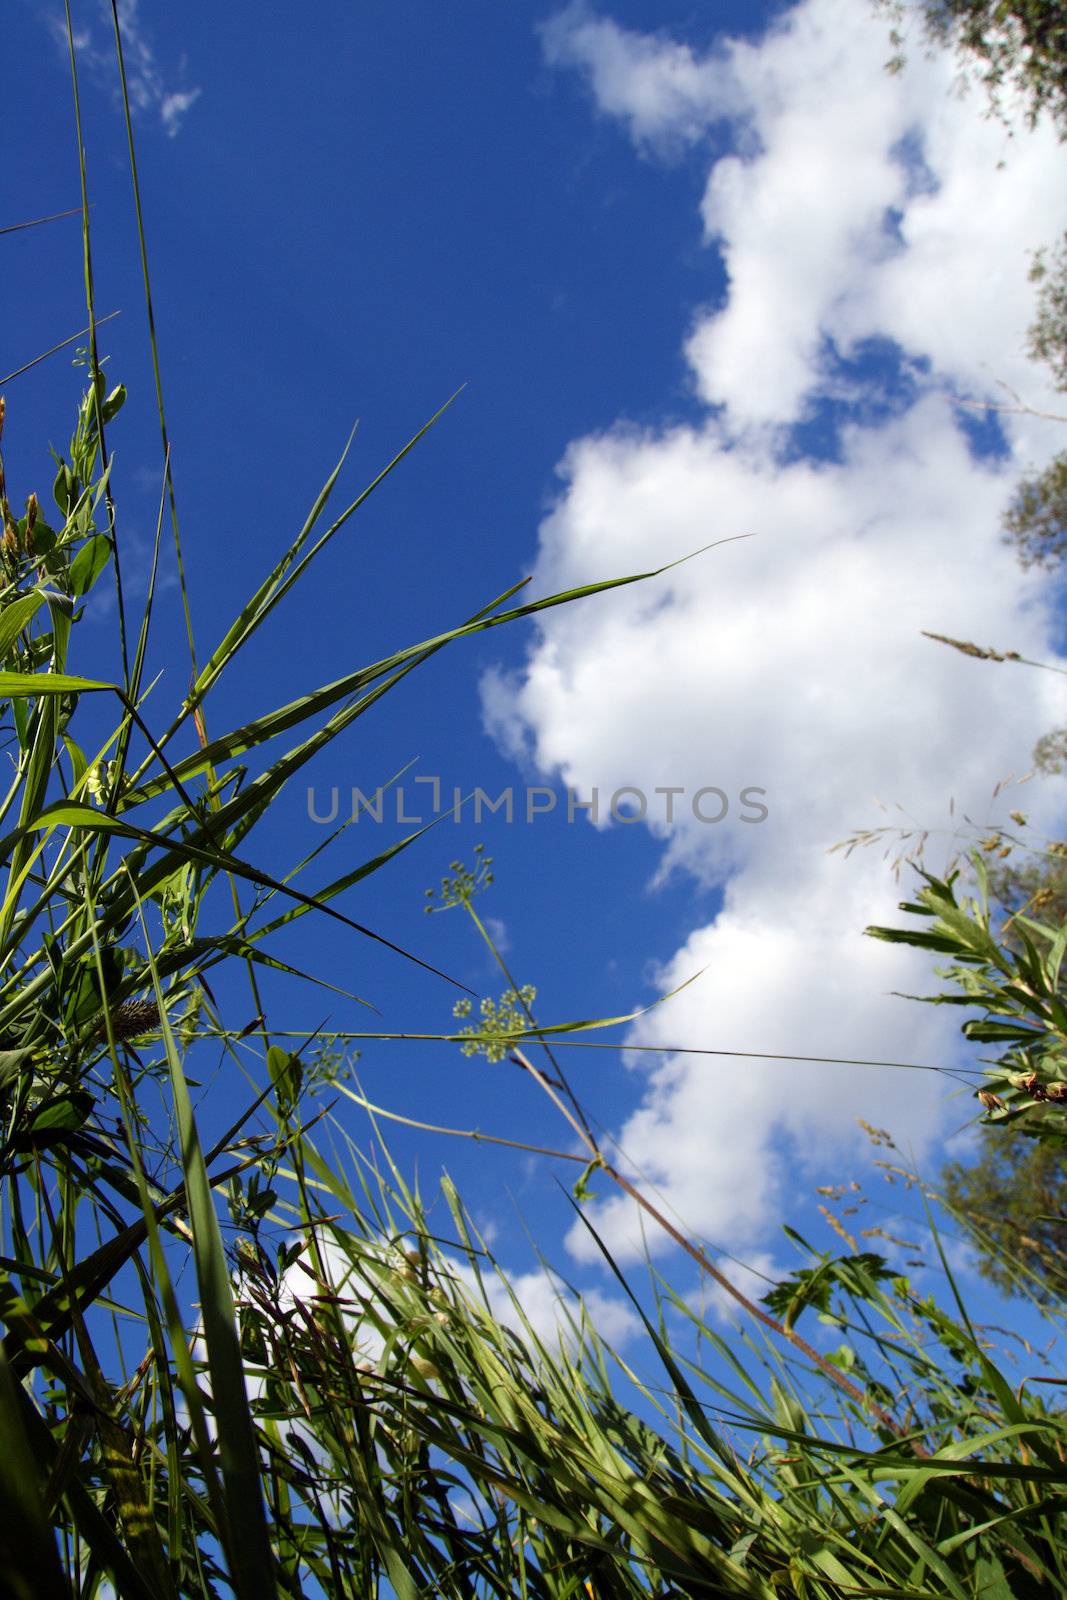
[464, 883]
[503, 1022]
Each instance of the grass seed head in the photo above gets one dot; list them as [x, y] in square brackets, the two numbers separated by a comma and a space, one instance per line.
[132, 1018]
[33, 506]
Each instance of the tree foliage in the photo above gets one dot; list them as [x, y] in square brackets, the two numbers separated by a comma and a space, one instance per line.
[1011, 1196]
[1048, 331]
[1016, 46]
[1036, 519]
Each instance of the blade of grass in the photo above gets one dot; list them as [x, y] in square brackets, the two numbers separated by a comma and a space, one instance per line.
[251, 1562]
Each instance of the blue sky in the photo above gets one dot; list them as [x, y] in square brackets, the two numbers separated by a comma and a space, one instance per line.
[703, 274]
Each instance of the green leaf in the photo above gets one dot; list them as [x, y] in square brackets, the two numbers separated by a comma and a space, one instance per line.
[915, 936]
[61, 1115]
[114, 402]
[15, 617]
[583, 1188]
[10, 1061]
[990, 1029]
[262, 1201]
[80, 987]
[15, 685]
[63, 487]
[813, 1286]
[89, 563]
[43, 537]
[287, 1075]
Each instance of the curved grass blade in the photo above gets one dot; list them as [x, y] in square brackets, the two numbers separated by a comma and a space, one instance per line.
[27, 366]
[252, 734]
[277, 585]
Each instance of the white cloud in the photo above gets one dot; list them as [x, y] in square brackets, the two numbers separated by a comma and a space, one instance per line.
[151, 92]
[658, 88]
[549, 1308]
[173, 106]
[855, 206]
[541, 1300]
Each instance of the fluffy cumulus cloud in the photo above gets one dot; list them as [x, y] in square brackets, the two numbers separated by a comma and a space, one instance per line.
[537, 1302]
[876, 233]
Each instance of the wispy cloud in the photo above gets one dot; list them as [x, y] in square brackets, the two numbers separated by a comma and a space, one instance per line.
[666, 96]
[153, 92]
[173, 106]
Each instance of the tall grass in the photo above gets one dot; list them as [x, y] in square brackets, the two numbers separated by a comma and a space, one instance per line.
[320, 1389]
